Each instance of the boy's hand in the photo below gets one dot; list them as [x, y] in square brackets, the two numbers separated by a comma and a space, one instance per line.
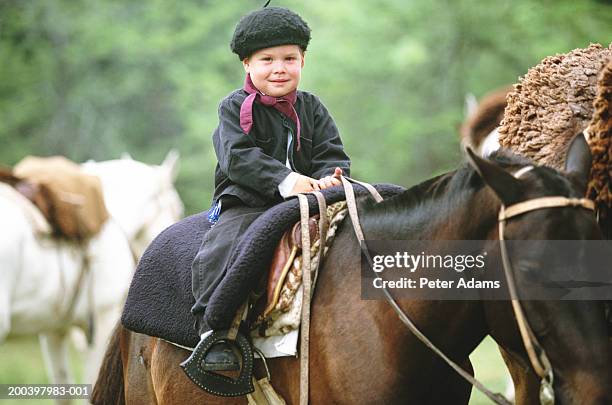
[331, 181]
[305, 184]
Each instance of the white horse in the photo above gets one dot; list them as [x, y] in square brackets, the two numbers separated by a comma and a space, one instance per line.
[141, 198]
[43, 288]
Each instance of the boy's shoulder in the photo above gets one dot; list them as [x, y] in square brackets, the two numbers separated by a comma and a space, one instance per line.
[308, 98]
[234, 99]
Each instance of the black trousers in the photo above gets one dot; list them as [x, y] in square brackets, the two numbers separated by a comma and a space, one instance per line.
[218, 244]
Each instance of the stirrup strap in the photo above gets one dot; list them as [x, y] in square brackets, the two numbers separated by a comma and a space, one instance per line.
[323, 228]
[305, 321]
[307, 283]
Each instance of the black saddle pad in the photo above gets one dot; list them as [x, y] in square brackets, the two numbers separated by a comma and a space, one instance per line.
[160, 298]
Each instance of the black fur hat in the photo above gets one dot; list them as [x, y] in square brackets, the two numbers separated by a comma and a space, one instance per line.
[267, 27]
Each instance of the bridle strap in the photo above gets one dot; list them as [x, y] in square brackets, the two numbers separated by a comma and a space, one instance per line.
[352, 209]
[539, 360]
[543, 202]
[541, 363]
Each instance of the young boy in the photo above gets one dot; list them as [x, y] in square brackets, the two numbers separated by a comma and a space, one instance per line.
[272, 141]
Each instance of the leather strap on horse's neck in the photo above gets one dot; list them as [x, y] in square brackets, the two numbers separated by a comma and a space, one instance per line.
[352, 209]
[375, 194]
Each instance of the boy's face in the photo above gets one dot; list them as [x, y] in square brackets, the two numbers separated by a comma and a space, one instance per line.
[276, 71]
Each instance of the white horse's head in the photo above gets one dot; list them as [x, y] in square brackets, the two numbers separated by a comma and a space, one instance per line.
[141, 198]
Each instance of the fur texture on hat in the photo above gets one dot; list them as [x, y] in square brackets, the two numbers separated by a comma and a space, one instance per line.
[268, 27]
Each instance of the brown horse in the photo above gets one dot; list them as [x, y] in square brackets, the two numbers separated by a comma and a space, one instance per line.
[360, 352]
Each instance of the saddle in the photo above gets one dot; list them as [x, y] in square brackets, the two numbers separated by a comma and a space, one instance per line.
[160, 296]
[70, 200]
[275, 312]
[287, 250]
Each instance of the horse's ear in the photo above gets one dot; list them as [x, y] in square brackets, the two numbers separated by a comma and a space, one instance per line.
[578, 161]
[171, 163]
[505, 185]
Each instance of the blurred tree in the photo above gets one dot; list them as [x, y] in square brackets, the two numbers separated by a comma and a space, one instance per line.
[90, 79]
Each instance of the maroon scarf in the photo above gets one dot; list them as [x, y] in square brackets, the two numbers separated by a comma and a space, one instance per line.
[283, 104]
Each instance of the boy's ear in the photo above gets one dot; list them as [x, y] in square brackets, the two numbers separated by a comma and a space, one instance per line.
[246, 64]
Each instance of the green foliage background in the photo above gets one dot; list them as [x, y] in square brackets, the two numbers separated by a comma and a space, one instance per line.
[90, 79]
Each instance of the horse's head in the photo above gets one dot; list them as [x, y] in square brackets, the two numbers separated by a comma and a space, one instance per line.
[141, 198]
[572, 333]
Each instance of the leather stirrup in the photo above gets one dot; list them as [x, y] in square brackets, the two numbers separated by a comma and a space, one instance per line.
[218, 384]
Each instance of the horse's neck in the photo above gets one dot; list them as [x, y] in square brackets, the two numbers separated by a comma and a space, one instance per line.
[472, 219]
[350, 320]
[471, 215]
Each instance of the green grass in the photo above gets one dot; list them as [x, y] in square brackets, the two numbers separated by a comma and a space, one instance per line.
[21, 362]
[490, 371]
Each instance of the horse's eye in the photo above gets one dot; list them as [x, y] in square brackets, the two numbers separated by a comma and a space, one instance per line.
[526, 266]
[527, 271]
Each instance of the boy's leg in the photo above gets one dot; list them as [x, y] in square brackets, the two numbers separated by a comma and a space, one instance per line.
[210, 264]
[209, 268]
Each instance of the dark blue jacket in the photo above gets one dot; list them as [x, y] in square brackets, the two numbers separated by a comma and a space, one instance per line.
[250, 167]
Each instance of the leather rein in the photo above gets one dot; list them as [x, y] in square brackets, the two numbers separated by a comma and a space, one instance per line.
[536, 353]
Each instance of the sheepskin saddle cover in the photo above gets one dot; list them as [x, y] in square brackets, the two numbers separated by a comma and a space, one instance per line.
[160, 298]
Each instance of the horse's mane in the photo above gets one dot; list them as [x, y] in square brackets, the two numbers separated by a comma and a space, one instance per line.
[412, 210]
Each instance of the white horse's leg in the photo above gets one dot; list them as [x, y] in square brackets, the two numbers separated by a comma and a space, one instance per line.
[5, 321]
[54, 347]
[5, 310]
[78, 338]
[55, 353]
